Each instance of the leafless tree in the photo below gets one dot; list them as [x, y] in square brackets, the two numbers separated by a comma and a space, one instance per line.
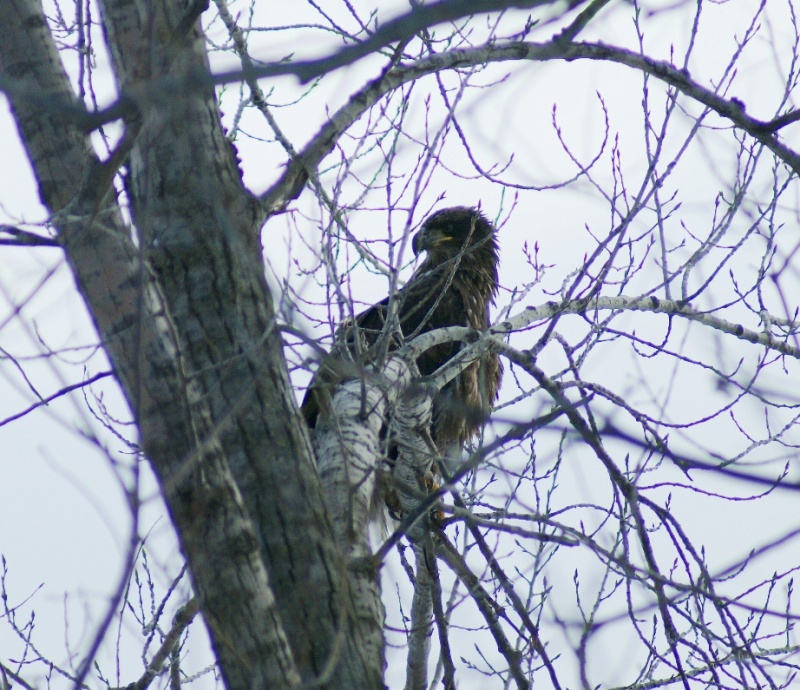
[628, 518]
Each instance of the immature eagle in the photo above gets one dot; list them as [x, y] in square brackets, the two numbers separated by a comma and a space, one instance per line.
[454, 286]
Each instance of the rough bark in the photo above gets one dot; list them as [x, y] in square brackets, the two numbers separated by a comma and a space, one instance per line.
[187, 321]
[216, 532]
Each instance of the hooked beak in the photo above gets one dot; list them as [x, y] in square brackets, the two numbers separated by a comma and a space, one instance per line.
[427, 238]
[419, 243]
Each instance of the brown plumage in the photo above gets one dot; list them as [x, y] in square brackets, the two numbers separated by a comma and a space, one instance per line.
[453, 286]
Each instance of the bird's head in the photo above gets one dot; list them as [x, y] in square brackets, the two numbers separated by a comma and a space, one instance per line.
[451, 230]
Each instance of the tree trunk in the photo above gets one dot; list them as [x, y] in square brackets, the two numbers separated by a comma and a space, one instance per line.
[187, 320]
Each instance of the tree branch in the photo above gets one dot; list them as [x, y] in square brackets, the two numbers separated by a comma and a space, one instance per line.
[530, 315]
[184, 616]
[25, 238]
[55, 396]
[488, 608]
[291, 182]
[419, 637]
[419, 18]
[294, 178]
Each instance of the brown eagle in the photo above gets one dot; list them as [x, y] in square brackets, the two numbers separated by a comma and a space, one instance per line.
[453, 286]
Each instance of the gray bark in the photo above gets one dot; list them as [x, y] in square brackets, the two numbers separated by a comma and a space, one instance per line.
[419, 642]
[188, 324]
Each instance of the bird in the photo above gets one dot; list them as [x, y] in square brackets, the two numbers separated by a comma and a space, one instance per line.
[455, 285]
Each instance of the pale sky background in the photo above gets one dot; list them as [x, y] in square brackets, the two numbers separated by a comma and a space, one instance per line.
[64, 525]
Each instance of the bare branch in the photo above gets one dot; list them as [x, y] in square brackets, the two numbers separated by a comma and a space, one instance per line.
[64, 391]
[25, 238]
[183, 618]
[486, 605]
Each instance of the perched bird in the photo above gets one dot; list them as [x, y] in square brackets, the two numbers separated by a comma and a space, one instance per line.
[454, 286]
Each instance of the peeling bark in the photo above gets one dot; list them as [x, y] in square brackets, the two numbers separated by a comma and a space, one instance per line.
[349, 442]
